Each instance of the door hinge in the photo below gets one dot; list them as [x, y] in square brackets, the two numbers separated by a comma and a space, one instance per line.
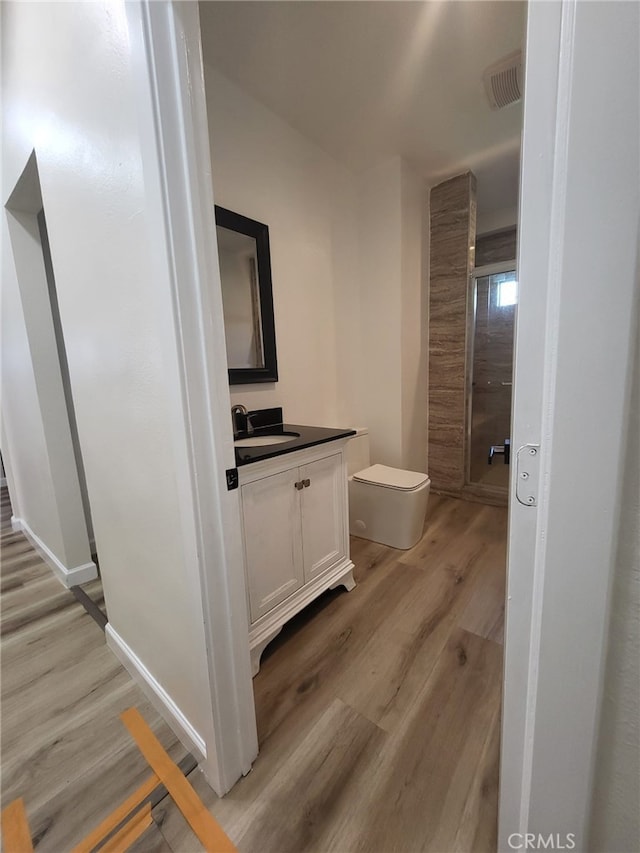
[528, 474]
[232, 478]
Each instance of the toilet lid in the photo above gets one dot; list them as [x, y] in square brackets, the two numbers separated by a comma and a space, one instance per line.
[392, 478]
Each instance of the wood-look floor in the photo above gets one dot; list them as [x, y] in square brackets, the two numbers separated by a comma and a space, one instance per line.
[64, 748]
[378, 710]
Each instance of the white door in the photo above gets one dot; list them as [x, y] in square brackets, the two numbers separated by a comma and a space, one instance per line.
[323, 534]
[273, 546]
[576, 265]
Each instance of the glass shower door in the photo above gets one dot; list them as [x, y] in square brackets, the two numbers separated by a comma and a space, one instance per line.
[495, 300]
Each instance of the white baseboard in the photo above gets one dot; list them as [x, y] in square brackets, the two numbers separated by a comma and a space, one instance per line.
[157, 695]
[67, 576]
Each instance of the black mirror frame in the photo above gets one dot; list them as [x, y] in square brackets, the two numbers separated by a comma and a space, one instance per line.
[260, 233]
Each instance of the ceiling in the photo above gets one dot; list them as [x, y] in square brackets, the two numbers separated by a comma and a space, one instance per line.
[368, 80]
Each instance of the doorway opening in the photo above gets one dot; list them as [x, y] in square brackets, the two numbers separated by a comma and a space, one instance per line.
[90, 595]
[375, 682]
[57, 519]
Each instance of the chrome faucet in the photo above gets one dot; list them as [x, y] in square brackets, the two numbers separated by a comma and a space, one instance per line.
[236, 410]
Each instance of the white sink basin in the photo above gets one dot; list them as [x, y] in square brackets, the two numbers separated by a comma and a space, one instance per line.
[265, 440]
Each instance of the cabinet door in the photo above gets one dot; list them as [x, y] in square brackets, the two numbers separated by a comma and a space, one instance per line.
[323, 514]
[272, 537]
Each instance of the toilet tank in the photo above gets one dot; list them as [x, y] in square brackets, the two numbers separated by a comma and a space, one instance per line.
[358, 451]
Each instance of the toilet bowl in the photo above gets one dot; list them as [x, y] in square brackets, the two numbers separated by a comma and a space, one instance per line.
[386, 505]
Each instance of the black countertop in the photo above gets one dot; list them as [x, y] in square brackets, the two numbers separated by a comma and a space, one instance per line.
[308, 436]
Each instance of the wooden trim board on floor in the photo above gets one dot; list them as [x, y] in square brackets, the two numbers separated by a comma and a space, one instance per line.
[130, 832]
[16, 835]
[133, 817]
[200, 820]
[117, 816]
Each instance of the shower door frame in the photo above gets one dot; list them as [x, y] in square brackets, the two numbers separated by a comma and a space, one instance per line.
[498, 495]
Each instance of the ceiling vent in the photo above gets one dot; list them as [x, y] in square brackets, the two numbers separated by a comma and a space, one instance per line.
[503, 81]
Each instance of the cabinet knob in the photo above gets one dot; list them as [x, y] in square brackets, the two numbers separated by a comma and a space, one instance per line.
[299, 485]
[306, 483]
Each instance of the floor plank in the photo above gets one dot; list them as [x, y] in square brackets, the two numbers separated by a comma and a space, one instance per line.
[478, 825]
[152, 841]
[318, 647]
[316, 787]
[425, 777]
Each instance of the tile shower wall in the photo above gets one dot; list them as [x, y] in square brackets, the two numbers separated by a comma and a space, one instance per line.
[497, 247]
[453, 226]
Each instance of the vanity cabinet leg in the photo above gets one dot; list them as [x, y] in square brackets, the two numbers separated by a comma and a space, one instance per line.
[256, 651]
[347, 581]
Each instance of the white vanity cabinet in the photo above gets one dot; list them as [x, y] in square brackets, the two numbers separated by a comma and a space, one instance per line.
[295, 535]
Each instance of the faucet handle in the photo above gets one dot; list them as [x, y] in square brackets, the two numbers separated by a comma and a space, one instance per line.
[236, 410]
[239, 409]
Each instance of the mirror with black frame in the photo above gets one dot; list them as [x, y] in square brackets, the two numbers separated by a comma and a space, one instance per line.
[247, 298]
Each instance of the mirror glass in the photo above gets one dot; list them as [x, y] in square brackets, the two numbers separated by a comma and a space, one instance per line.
[241, 302]
[245, 273]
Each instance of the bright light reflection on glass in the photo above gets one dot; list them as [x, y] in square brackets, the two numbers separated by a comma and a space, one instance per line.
[507, 293]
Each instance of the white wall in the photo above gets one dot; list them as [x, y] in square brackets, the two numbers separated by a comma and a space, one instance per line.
[496, 220]
[346, 257]
[415, 319]
[69, 94]
[380, 224]
[24, 445]
[265, 170]
[393, 313]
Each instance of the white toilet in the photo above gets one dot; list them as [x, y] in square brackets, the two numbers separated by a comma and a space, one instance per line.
[386, 505]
